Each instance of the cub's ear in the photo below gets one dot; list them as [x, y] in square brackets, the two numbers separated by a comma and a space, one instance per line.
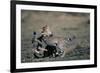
[51, 35]
[34, 33]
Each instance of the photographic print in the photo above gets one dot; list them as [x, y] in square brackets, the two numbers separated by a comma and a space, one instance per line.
[52, 36]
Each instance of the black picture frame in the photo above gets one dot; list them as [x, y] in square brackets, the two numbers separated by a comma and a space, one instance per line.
[13, 35]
